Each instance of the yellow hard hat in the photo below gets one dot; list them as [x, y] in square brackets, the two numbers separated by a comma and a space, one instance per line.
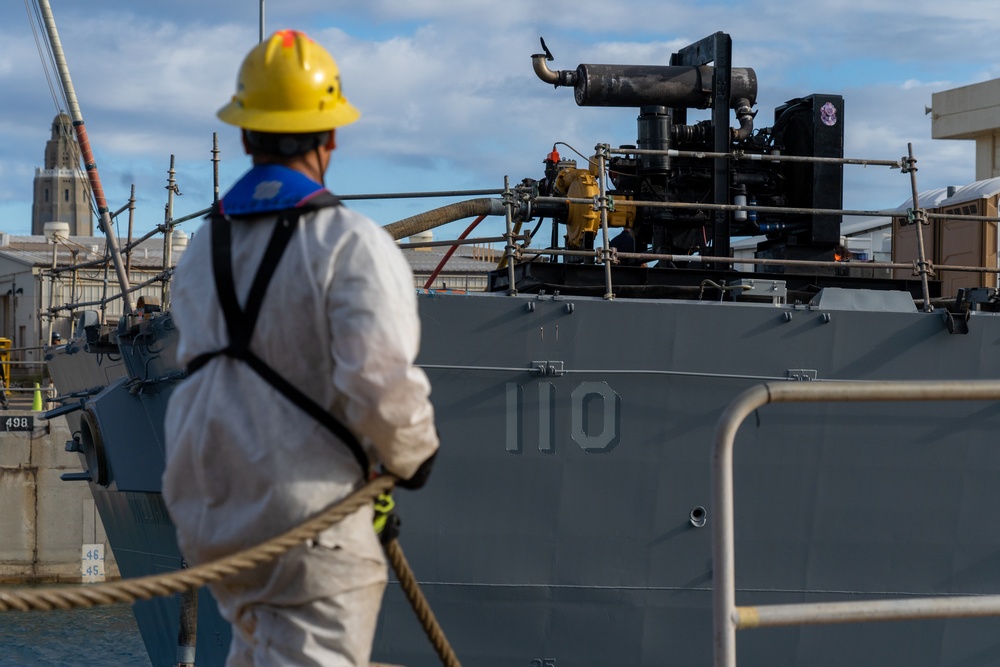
[289, 84]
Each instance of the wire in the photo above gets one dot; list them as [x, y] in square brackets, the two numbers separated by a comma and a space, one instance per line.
[59, 101]
[32, 18]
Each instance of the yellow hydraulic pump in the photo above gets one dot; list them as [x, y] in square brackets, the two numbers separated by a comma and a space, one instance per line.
[583, 218]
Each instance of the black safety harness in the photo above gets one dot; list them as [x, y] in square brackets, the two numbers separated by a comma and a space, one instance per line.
[240, 322]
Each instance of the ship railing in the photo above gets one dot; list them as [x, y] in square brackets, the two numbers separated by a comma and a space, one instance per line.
[618, 255]
[515, 201]
[727, 616]
[604, 203]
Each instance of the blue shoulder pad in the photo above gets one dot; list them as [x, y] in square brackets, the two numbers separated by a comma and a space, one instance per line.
[267, 188]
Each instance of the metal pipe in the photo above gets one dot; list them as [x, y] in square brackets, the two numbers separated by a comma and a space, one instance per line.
[86, 152]
[52, 287]
[215, 165]
[101, 302]
[159, 229]
[168, 233]
[922, 265]
[261, 39]
[460, 241]
[601, 151]
[893, 213]
[508, 207]
[759, 157]
[418, 195]
[619, 203]
[131, 221]
[779, 615]
[556, 78]
[708, 259]
[725, 616]
[114, 216]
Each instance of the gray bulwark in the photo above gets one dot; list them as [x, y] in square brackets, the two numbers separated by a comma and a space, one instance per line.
[873, 301]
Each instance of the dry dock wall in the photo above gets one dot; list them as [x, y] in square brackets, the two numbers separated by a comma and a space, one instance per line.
[44, 521]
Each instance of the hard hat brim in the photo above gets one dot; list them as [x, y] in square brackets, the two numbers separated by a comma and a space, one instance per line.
[290, 122]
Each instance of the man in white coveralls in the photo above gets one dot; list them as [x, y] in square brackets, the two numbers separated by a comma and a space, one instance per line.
[299, 328]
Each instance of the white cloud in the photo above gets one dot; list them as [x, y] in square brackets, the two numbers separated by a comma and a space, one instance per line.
[446, 89]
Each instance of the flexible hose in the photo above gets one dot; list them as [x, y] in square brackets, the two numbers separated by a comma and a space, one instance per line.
[443, 215]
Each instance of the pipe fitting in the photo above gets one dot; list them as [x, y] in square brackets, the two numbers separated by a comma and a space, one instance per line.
[556, 78]
[745, 115]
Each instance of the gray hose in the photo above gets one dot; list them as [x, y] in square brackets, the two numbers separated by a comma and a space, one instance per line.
[441, 216]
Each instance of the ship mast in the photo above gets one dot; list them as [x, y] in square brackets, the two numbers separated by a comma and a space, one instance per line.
[88, 156]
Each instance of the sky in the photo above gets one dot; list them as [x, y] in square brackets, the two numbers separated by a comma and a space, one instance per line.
[447, 93]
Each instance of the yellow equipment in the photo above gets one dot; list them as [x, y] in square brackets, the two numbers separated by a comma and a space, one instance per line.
[288, 84]
[582, 219]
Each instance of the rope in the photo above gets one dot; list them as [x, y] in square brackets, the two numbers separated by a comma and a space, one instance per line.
[419, 603]
[144, 588]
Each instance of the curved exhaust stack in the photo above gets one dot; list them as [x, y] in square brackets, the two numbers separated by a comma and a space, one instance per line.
[647, 85]
[563, 77]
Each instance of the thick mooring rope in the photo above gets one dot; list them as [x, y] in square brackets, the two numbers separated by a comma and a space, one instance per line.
[144, 588]
[420, 606]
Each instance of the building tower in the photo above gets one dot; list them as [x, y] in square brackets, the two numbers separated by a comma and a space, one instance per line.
[62, 192]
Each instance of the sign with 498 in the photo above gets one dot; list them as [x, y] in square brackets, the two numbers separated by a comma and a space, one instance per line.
[17, 423]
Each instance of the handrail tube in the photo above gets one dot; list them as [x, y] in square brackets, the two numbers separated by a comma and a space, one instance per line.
[480, 239]
[759, 157]
[763, 261]
[419, 195]
[618, 203]
[725, 615]
[782, 615]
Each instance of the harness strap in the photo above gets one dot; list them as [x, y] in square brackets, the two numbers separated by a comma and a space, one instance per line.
[241, 322]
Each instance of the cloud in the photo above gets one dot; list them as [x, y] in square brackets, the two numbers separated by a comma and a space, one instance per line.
[447, 91]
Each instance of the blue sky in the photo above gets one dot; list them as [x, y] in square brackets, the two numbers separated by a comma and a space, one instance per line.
[448, 97]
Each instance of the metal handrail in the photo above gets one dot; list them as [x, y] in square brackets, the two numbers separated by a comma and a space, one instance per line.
[726, 616]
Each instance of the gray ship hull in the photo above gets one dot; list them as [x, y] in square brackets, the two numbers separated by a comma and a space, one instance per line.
[558, 526]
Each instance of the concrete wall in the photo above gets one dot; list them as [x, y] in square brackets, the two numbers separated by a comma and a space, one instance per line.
[971, 112]
[44, 520]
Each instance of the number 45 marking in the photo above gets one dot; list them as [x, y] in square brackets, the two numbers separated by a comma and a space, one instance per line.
[543, 662]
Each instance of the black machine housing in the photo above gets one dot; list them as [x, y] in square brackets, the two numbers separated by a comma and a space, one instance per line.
[810, 126]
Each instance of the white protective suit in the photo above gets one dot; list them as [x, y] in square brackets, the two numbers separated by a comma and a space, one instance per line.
[339, 321]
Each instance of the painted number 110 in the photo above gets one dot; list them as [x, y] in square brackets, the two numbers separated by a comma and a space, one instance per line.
[584, 400]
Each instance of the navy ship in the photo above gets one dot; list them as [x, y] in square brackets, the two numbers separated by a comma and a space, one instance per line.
[568, 518]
